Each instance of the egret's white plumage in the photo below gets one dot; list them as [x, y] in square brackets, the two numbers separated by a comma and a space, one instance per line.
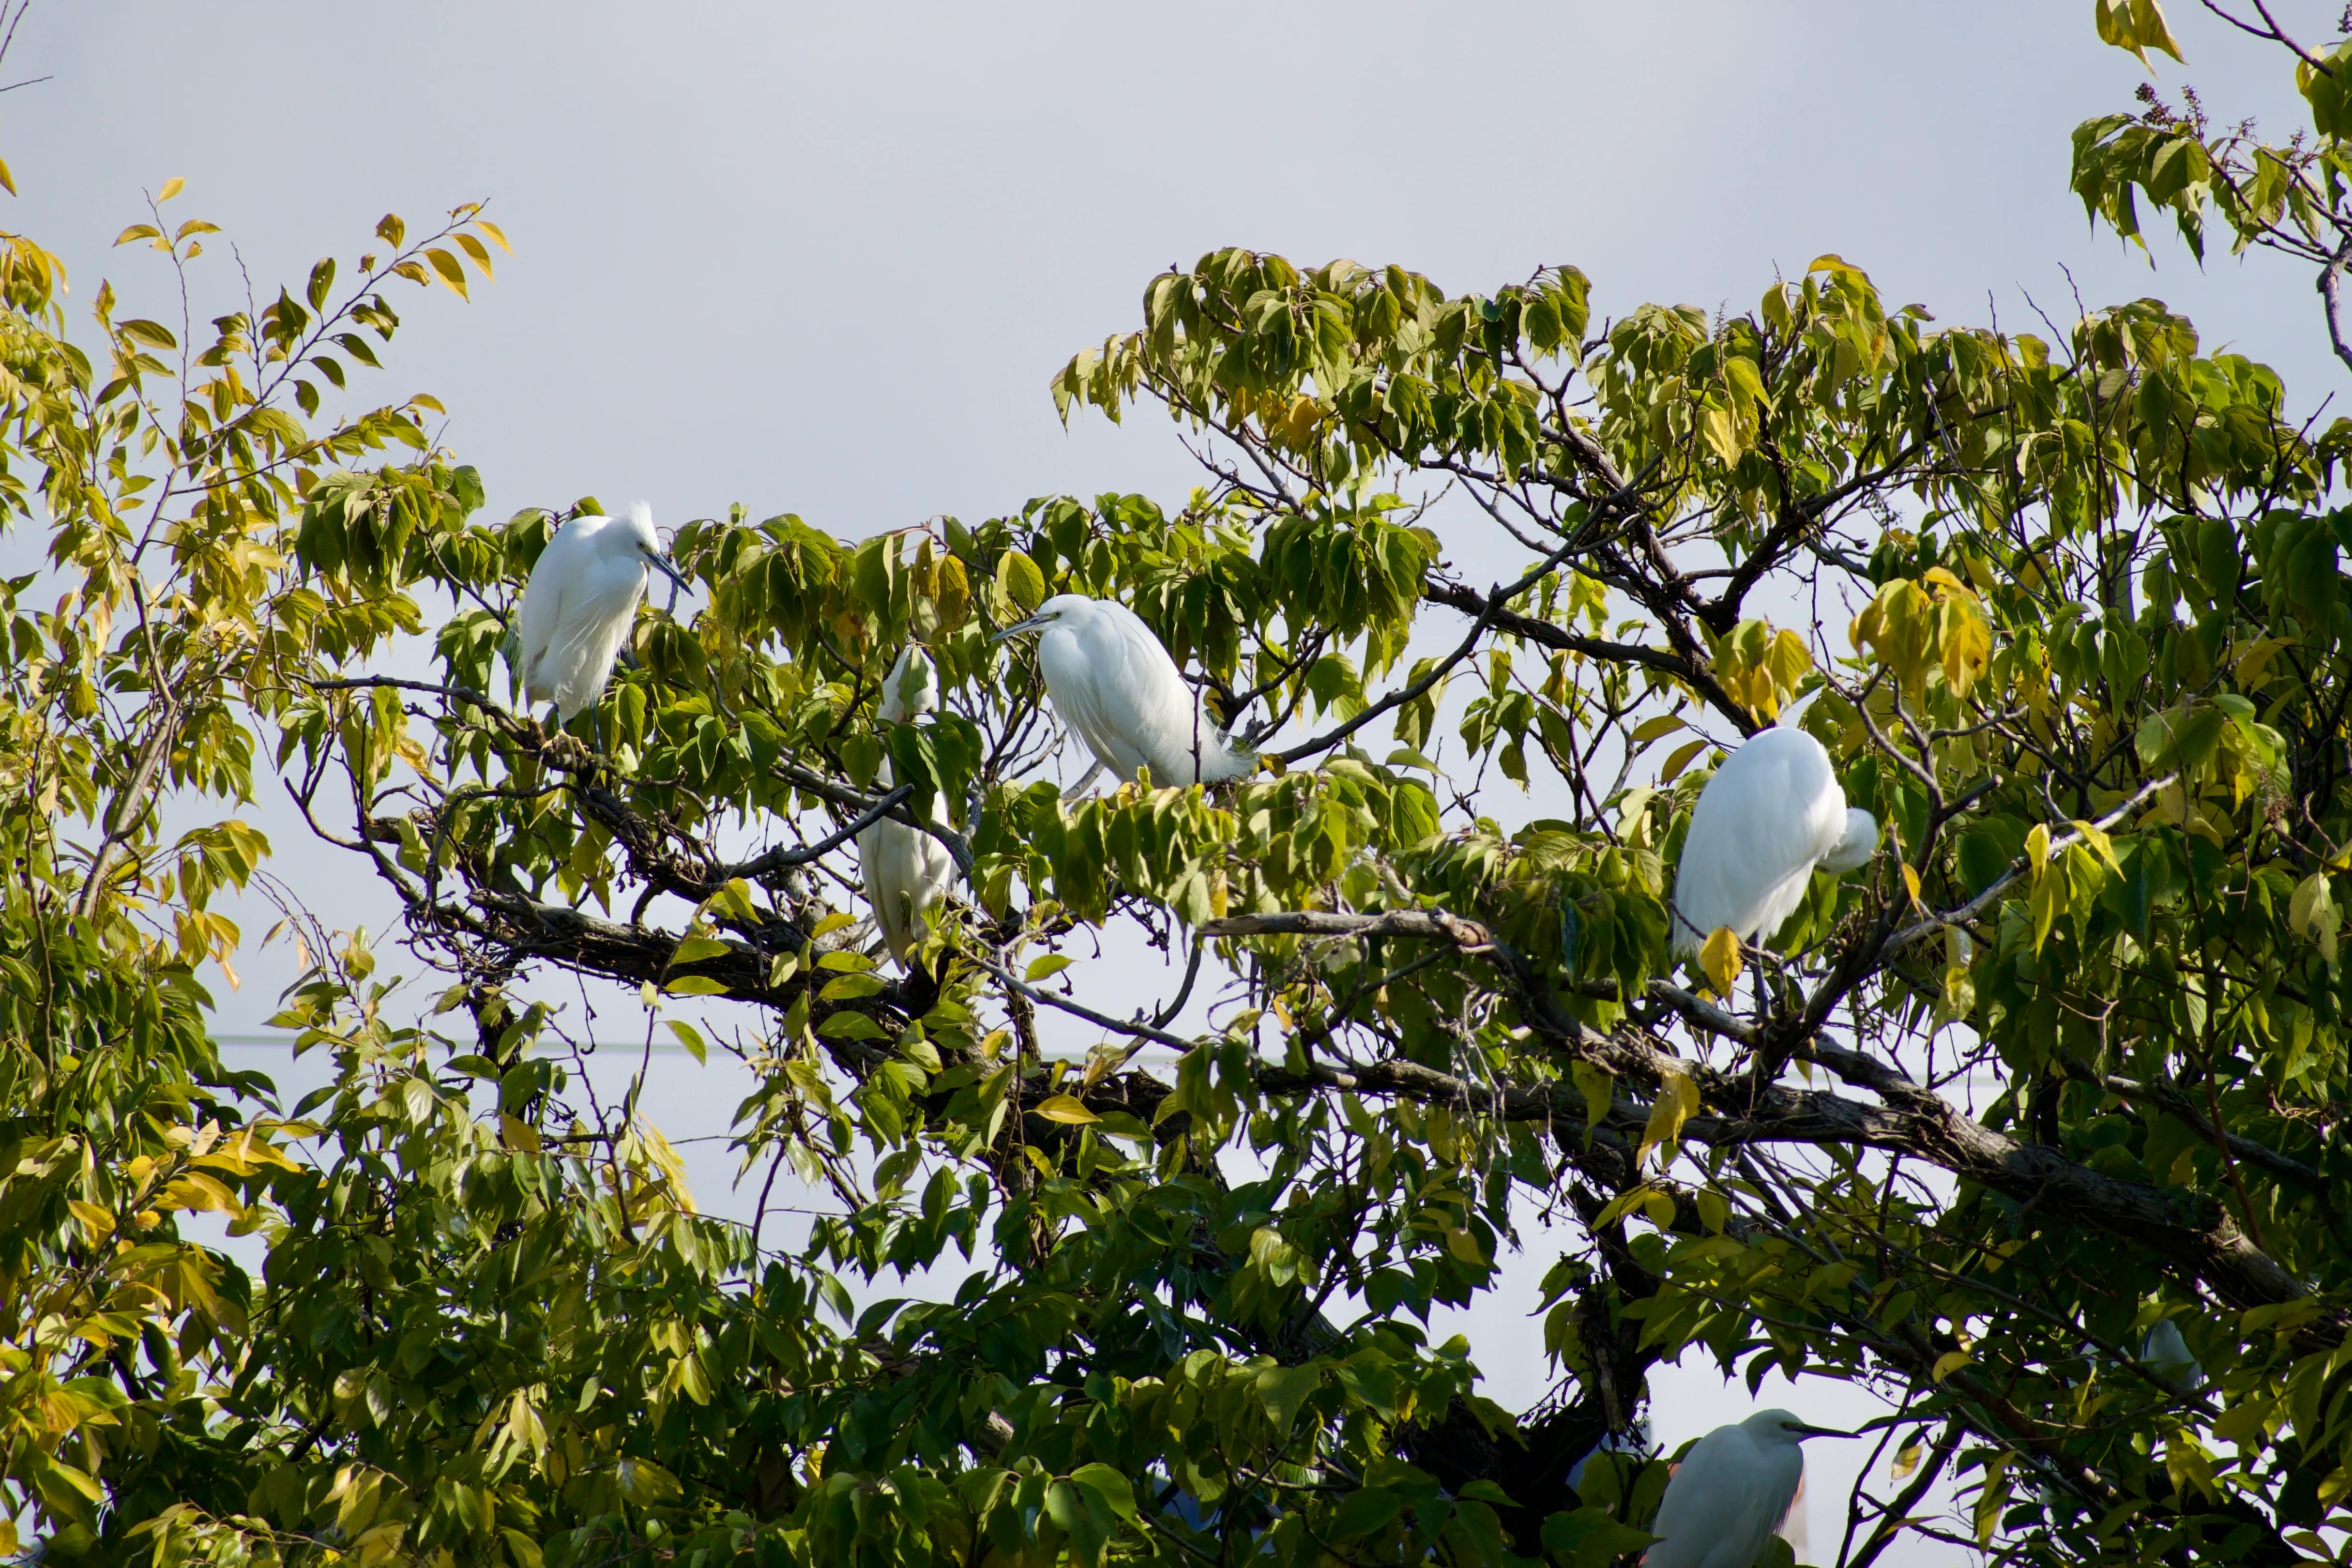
[1771, 816]
[906, 870]
[2167, 1356]
[1112, 682]
[577, 606]
[1730, 1493]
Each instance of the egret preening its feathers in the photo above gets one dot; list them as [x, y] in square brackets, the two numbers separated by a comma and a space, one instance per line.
[578, 603]
[906, 870]
[1730, 1493]
[1770, 816]
[1112, 682]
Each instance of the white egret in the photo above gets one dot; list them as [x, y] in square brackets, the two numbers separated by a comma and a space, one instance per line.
[1113, 682]
[1770, 816]
[2166, 1354]
[1730, 1493]
[577, 606]
[906, 870]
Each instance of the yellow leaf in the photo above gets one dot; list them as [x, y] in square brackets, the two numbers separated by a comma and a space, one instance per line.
[2037, 847]
[453, 272]
[95, 1221]
[2101, 845]
[2135, 25]
[1720, 956]
[1599, 1088]
[1678, 1099]
[172, 188]
[1939, 577]
[1681, 759]
[1649, 729]
[1949, 1363]
[1908, 1459]
[2254, 661]
[1911, 884]
[498, 238]
[1066, 1109]
[518, 1134]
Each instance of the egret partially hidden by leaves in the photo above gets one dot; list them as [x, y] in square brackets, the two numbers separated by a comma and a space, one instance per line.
[2166, 1354]
[1730, 1493]
[579, 601]
[1770, 816]
[906, 870]
[1112, 682]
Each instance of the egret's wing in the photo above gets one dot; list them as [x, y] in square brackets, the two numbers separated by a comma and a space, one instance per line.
[905, 871]
[596, 611]
[1771, 810]
[1164, 718]
[553, 580]
[1726, 1498]
[1088, 694]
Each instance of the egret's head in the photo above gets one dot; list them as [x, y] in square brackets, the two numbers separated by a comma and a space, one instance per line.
[912, 687]
[637, 528]
[1785, 1426]
[1054, 612]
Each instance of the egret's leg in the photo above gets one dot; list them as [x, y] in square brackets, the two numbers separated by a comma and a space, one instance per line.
[1081, 787]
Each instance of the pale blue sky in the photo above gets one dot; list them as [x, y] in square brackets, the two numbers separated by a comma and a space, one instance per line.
[823, 259]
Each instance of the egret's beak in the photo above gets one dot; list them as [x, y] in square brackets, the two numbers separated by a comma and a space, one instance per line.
[661, 564]
[1034, 624]
[1817, 1431]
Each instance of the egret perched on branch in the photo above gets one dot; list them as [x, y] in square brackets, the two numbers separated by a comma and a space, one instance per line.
[906, 870]
[1113, 682]
[1730, 1493]
[1770, 816]
[578, 605]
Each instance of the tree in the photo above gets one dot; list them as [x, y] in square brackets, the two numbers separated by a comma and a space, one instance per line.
[2095, 687]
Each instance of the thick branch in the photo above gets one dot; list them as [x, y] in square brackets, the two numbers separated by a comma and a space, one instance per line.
[2193, 1236]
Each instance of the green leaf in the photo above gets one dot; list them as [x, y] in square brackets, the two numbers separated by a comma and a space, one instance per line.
[1362, 1512]
[1283, 1389]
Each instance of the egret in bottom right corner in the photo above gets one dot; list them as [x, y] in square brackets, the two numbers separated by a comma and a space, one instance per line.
[1730, 1493]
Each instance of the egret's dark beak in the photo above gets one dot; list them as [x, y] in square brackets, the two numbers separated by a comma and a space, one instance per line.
[661, 564]
[1034, 624]
[1817, 1431]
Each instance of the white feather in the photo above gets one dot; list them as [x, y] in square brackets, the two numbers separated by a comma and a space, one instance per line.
[579, 605]
[1112, 682]
[1728, 1495]
[904, 870]
[1770, 816]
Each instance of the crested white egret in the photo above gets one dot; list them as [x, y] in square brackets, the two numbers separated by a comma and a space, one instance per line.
[1730, 1493]
[906, 870]
[2166, 1354]
[1770, 816]
[1113, 682]
[578, 605]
